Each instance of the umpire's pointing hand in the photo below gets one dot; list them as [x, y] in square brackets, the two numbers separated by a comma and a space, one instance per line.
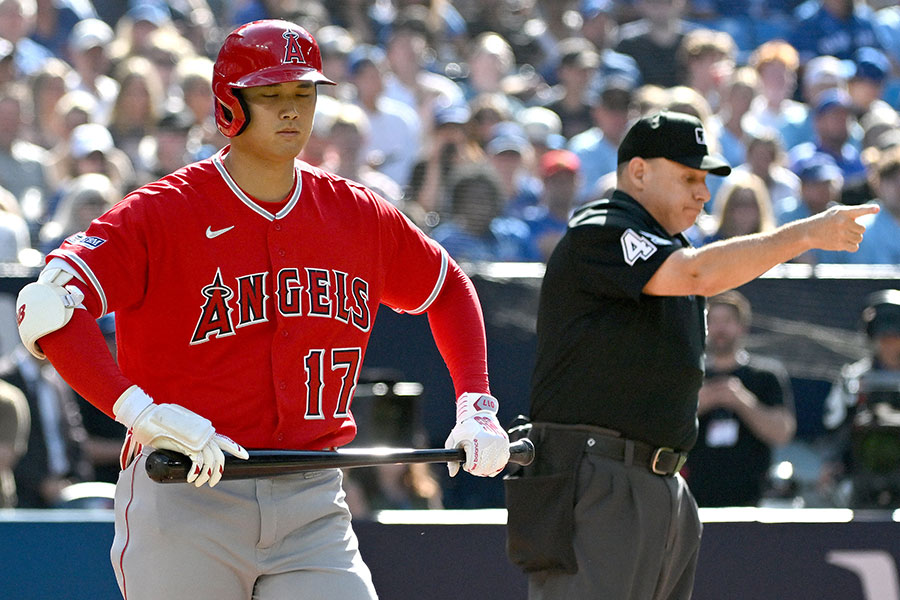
[837, 228]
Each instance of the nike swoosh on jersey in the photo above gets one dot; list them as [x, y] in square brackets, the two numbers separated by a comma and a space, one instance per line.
[214, 234]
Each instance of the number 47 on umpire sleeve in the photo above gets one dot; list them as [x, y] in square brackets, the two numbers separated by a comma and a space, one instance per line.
[344, 360]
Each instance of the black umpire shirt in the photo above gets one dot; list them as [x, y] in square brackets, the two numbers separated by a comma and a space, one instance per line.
[607, 354]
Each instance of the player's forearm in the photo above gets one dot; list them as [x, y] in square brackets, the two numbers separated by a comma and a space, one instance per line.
[457, 325]
[79, 353]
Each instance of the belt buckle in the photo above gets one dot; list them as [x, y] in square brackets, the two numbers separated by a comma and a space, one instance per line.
[655, 460]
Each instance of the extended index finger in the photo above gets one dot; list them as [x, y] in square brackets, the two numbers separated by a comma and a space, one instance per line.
[862, 209]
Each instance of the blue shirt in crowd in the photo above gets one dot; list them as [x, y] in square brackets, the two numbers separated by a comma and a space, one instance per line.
[507, 241]
[817, 32]
[598, 157]
[880, 245]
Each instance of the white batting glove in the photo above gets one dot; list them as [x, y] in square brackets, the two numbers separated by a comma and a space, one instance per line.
[173, 427]
[479, 433]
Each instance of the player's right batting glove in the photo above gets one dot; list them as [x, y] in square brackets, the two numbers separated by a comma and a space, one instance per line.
[173, 427]
[479, 433]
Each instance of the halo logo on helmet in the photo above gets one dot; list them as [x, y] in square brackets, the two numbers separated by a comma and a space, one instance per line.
[292, 51]
[261, 53]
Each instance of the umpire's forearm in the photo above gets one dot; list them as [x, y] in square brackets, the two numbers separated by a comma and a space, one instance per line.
[730, 263]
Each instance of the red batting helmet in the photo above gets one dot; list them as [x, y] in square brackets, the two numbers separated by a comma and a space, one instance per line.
[261, 53]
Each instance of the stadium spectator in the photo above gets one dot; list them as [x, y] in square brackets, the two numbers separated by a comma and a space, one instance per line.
[166, 47]
[707, 58]
[408, 80]
[745, 408]
[612, 99]
[750, 22]
[89, 55]
[396, 131]
[513, 159]
[138, 105]
[193, 77]
[887, 28]
[91, 149]
[820, 74]
[820, 183]
[73, 109]
[135, 27]
[47, 87]
[578, 62]
[599, 26]
[348, 136]
[8, 71]
[476, 231]
[15, 427]
[738, 92]
[335, 46]
[56, 456]
[776, 62]
[832, 118]
[54, 20]
[450, 147]
[549, 219]
[542, 128]
[488, 110]
[821, 180]
[654, 39]
[17, 22]
[15, 235]
[490, 59]
[742, 207]
[869, 71]
[882, 243]
[766, 159]
[832, 28]
[598, 23]
[317, 149]
[168, 148]
[22, 163]
[83, 199]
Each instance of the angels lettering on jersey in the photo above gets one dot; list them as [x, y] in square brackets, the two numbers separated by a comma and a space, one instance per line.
[309, 292]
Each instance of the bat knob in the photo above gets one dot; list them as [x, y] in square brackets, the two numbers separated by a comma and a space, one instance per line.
[521, 452]
[164, 466]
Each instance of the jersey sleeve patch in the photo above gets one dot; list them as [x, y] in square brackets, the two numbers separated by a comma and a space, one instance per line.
[636, 247]
[91, 242]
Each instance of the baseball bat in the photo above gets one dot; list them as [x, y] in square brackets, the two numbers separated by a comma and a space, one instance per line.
[166, 466]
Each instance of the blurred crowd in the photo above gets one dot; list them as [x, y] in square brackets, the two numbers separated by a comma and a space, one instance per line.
[487, 122]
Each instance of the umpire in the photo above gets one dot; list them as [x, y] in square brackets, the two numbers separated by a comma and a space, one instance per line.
[603, 512]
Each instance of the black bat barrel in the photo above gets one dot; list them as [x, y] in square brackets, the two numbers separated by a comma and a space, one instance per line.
[166, 466]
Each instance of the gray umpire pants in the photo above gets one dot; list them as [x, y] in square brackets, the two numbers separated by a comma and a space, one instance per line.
[637, 537]
[287, 537]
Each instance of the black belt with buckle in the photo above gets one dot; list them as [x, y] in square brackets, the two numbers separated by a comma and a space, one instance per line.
[660, 461]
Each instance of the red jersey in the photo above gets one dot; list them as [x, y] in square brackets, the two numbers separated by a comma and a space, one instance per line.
[257, 321]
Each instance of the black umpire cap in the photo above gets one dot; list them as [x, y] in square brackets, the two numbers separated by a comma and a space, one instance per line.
[882, 313]
[676, 136]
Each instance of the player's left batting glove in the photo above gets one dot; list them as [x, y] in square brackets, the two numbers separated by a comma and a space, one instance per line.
[479, 433]
[173, 427]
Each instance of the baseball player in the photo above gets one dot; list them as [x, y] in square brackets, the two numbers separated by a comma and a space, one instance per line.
[245, 288]
[620, 343]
